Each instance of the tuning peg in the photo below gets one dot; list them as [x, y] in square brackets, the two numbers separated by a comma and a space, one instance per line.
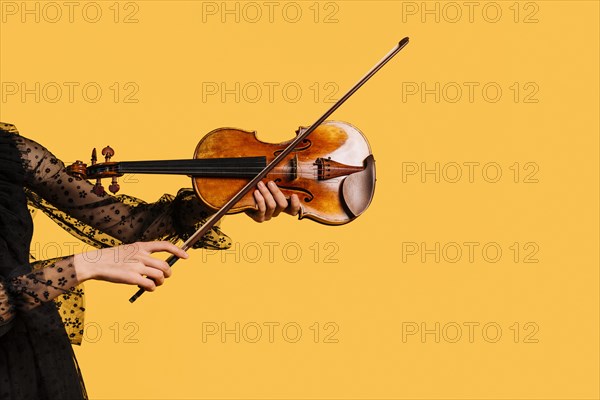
[98, 189]
[108, 152]
[114, 186]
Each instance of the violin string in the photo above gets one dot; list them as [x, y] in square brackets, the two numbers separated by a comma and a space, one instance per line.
[233, 169]
[214, 168]
[309, 173]
[228, 165]
[247, 175]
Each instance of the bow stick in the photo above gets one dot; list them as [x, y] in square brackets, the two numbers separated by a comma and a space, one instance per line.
[261, 175]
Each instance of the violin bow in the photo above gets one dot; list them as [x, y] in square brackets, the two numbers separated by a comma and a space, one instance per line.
[262, 174]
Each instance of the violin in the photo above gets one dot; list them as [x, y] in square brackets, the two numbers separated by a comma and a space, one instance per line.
[332, 171]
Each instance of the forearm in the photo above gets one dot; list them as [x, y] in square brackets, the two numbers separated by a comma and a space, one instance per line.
[41, 285]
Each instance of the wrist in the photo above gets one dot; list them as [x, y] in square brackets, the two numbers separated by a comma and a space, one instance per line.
[84, 269]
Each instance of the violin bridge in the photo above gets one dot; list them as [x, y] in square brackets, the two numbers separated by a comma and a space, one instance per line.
[294, 167]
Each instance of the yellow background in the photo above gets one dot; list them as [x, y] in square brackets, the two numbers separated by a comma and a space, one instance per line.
[154, 349]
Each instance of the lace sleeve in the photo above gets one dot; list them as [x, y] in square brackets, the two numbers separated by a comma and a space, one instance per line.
[44, 283]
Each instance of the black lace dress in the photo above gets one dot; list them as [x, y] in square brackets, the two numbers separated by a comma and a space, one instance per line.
[42, 302]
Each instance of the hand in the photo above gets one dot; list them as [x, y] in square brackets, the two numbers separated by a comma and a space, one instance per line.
[127, 264]
[270, 202]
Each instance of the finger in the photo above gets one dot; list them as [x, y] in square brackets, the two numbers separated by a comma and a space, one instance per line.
[294, 206]
[259, 214]
[269, 200]
[155, 263]
[163, 245]
[279, 197]
[156, 275]
[145, 283]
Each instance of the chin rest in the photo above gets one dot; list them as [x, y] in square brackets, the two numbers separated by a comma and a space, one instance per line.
[358, 188]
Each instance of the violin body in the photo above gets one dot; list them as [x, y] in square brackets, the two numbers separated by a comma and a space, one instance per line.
[332, 171]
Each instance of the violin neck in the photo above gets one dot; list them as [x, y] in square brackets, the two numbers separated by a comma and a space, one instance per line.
[242, 167]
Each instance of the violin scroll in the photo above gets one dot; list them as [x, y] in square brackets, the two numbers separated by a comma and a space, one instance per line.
[78, 169]
[98, 171]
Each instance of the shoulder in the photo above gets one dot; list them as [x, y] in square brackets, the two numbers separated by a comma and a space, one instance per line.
[33, 153]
